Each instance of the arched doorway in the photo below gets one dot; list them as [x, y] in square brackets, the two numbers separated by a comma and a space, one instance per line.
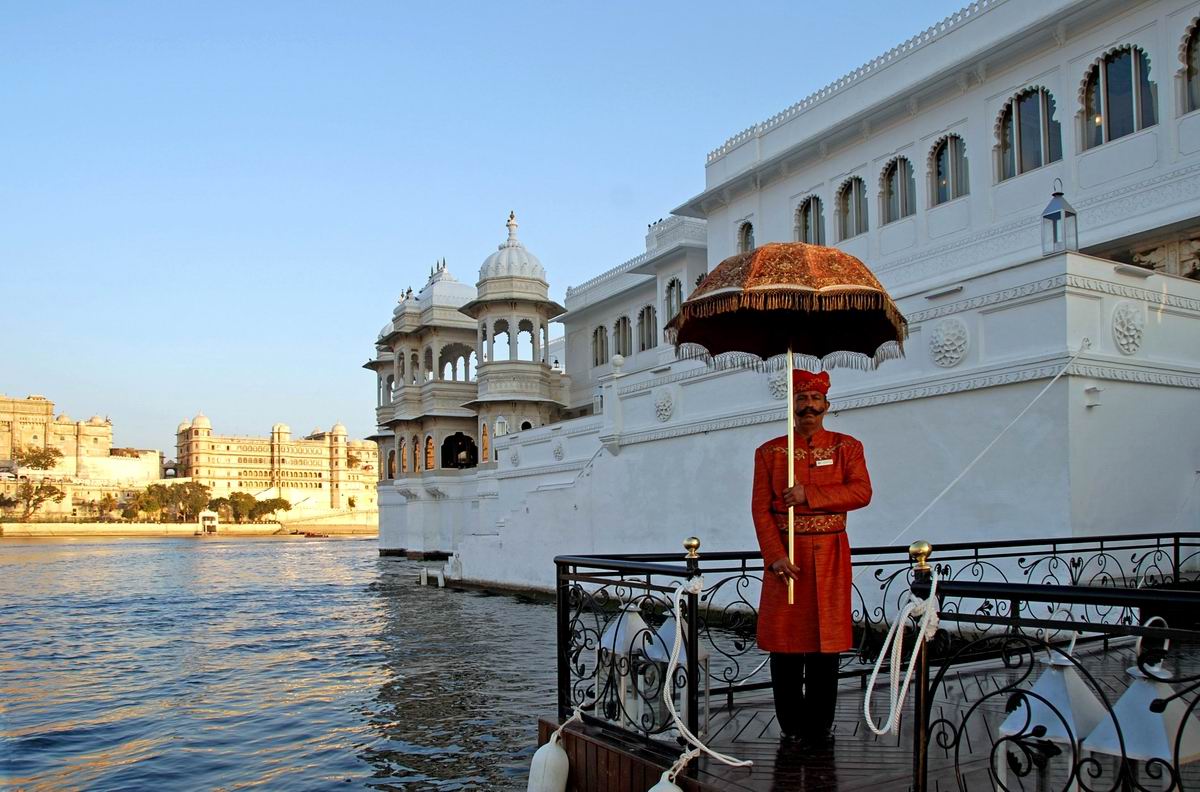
[458, 451]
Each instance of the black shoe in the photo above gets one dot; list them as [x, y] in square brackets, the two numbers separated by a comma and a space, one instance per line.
[817, 740]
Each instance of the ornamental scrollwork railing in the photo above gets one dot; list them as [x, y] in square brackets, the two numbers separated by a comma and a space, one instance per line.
[632, 595]
[1051, 715]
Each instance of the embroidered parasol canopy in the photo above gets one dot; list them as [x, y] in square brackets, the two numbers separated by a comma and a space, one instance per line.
[815, 301]
[762, 308]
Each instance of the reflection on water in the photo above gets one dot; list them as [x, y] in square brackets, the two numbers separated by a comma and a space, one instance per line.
[278, 664]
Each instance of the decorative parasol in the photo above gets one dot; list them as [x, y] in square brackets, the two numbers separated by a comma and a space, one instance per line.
[761, 309]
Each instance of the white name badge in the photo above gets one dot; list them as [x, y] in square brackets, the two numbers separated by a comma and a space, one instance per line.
[824, 462]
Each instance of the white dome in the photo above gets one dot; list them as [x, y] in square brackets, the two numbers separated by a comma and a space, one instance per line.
[338, 429]
[281, 427]
[63, 418]
[201, 422]
[183, 427]
[512, 259]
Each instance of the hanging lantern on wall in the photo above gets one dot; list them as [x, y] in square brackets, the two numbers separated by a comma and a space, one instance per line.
[1060, 227]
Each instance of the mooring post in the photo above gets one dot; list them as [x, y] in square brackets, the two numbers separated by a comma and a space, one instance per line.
[563, 604]
[692, 545]
[922, 578]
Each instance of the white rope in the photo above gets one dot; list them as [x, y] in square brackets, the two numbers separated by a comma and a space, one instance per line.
[694, 585]
[577, 715]
[927, 611]
[1084, 345]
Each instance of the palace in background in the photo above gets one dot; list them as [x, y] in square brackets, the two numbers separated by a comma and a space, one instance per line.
[323, 472]
[933, 163]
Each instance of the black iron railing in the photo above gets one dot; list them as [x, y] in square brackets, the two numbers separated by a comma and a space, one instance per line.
[1019, 732]
[614, 625]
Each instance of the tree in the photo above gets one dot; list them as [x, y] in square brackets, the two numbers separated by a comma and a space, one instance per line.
[352, 502]
[36, 458]
[189, 499]
[7, 501]
[107, 504]
[353, 460]
[32, 496]
[267, 507]
[241, 504]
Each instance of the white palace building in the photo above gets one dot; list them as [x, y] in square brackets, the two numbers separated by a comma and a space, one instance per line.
[932, 163]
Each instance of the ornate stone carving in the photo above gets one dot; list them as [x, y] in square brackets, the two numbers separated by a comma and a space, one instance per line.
[777, 384]
[1128, 325]
[558, 452]
[948, 342]
[514, 457]
[664, 405]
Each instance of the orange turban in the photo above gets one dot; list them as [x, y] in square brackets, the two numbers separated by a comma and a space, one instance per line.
[807, 381]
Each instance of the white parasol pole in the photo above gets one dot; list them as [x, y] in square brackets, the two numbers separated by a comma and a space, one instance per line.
[791, 467]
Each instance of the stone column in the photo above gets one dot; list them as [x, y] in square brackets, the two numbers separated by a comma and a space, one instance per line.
[396, 353]
[513, 332]
[535, 330]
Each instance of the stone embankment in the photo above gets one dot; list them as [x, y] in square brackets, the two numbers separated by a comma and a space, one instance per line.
[65, 529]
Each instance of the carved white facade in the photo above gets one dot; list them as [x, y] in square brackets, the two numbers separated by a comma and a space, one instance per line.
[657, 449]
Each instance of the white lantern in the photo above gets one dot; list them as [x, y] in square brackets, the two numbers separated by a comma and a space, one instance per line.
[631, 676]
[1148, 733]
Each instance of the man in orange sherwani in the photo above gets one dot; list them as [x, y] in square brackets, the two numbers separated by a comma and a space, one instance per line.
[804, 638]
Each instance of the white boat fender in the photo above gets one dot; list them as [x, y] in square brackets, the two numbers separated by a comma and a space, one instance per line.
[550, 766]
[665, 784]
[548, 771]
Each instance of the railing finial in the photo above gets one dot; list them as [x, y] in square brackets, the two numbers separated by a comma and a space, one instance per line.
[692, 544]
[919, 552]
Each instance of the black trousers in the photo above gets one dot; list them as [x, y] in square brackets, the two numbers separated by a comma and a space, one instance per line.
[805, 687]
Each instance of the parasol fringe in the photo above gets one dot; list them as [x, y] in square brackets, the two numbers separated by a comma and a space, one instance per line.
[745, 361]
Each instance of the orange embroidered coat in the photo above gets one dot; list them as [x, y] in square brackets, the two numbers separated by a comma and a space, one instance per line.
[833, 470]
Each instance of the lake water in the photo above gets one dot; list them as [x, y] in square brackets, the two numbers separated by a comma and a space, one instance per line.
[279, 664]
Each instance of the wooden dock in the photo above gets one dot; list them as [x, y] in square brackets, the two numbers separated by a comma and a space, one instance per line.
[604, 760]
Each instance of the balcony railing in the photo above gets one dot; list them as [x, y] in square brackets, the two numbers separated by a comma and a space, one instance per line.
[613, 614]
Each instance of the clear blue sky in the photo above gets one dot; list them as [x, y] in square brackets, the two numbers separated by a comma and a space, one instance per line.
[214, 205]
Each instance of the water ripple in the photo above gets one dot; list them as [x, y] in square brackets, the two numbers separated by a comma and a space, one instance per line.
[259, 663]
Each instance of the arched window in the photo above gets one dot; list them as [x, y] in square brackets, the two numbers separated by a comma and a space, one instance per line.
[416, 452]
[600, 346]
[852, 209]
[501, 426]
[948, 170]
[428, 364]
[745, 238]
[899, 190]
[810, 222]
[414, 368]
[1030, 135]
[501, 340]
[1119, 97]
[403, 457]
[623, 337]
[673, 298]
[1191, 56]
[525, 340]
[391, 464]
[485, 447]
[647, 329]
[526, 425]
[430, 460]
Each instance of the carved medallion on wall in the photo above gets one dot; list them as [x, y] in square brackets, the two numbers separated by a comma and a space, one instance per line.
[1128, 326]
[558, 452]
[777, 384]
[664, 405]
[514, 457]
[948, 342]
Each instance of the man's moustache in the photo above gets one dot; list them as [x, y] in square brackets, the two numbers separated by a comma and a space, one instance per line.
[810, 411]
